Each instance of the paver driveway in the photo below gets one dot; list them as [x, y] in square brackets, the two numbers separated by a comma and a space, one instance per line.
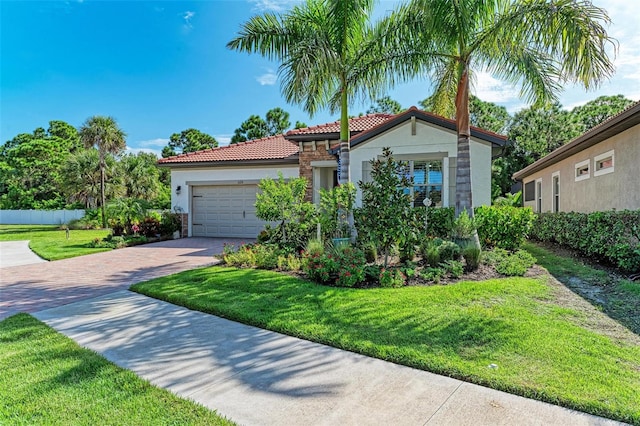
[32, 288]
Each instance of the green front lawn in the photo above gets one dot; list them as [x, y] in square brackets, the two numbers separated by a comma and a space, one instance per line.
[47, 379]
[51, 243]
[543, 347]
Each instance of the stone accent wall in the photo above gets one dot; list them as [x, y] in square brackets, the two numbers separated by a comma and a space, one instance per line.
[312, 151]
[185, 225]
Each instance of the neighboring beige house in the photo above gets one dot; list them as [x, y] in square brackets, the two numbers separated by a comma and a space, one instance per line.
[215, 188]
[597, 171]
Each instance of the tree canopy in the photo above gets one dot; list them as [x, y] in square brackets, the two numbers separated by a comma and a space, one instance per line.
[275, 122]
[189, 140]
[385, 105]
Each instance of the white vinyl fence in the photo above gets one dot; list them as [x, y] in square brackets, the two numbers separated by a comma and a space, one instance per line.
[38, 217]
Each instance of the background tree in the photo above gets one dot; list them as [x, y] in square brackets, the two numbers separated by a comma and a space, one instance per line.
[81, 178]
[276, 122]
[484, 115]
[105, 135]
[30, 167]
[300, 125]
[537, 44]
[598, 110]
[189, 140]
[385, 105]
[140, 176]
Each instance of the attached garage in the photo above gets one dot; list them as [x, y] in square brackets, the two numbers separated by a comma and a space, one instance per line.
[225, 211]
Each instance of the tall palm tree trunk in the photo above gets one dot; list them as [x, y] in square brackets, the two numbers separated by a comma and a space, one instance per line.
[103, 199]
[464, 189]
[345, 157]
[464, 197]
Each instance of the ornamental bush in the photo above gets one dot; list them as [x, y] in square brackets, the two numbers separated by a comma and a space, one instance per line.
[609, 236]
[504, 227]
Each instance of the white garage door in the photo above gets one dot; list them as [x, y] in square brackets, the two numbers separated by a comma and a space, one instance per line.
[225, 211]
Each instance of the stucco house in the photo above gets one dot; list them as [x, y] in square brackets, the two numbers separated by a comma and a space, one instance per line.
[216, 188]
[597, 171]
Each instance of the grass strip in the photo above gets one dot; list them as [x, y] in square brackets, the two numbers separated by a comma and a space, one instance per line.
[46, 378]
[543, 349]
[51, 243]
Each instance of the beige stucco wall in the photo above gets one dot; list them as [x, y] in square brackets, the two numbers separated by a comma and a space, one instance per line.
[226, 175]
[427, 141]
[618, 190]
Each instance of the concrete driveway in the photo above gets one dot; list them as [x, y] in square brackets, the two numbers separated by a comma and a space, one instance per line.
[34, 287]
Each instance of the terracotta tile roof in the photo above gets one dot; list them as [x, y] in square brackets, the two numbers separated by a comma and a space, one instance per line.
[269, 148]
[356, 125]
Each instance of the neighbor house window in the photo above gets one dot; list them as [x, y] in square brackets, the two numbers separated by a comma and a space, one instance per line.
[582, 170]
[427, 181]
[555, 188]
[530, 191]
[603, 164]
[539, 195]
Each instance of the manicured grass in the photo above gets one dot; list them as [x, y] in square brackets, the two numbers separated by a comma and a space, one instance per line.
[618, 298]
[50, 242]
[542, 348]
[46, 378]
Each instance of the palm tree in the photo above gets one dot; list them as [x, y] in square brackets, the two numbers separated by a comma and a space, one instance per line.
[104, 134]
[329, 54]
[538, 44]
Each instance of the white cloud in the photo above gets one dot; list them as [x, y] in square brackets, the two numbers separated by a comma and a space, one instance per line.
[272, 5]
[186, 16]
[159, 142]
[490, 89]
[267, 79]
[223, 140]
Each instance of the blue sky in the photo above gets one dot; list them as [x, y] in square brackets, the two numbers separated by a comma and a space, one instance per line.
[160, 67]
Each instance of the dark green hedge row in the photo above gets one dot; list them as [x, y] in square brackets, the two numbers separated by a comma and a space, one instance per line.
[612, 236]
[504, 227]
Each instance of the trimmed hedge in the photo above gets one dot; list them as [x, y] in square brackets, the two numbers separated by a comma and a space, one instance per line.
[504, 227]
[611, 236]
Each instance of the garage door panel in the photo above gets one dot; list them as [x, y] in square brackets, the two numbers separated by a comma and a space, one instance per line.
[225, 211]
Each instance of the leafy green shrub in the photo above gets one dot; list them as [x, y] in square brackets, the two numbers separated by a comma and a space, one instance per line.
[350, 266]
[386, 216]
[454, 268]
[372, 273]
[370, 252]
[432, 274]
[283, 201]
[289, 262]
[170, 223]
[611, 236]
[448, 250]
[392, 278]
[150, 227]
[509, 264]
[439, 220]
[471, 255]
[320, 267]
[243, 257]
[464, 226]
[503, 226]
[337, 201]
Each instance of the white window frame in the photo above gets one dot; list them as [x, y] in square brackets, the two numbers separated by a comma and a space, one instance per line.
[539, 195]
[579, 166]
[555, 175]
[601, 157]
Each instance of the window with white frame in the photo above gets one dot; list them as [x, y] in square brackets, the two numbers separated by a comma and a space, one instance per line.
[539, 196]
[603, 163]
[555, 191]
[582, 170]
[427, 181]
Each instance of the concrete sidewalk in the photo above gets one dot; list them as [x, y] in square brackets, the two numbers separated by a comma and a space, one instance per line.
[258, 377]
[17, 253]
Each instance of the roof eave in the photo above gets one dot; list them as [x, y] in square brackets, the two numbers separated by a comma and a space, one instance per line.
[292, 159]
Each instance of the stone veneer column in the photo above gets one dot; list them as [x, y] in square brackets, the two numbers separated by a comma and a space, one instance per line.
[312, 151]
